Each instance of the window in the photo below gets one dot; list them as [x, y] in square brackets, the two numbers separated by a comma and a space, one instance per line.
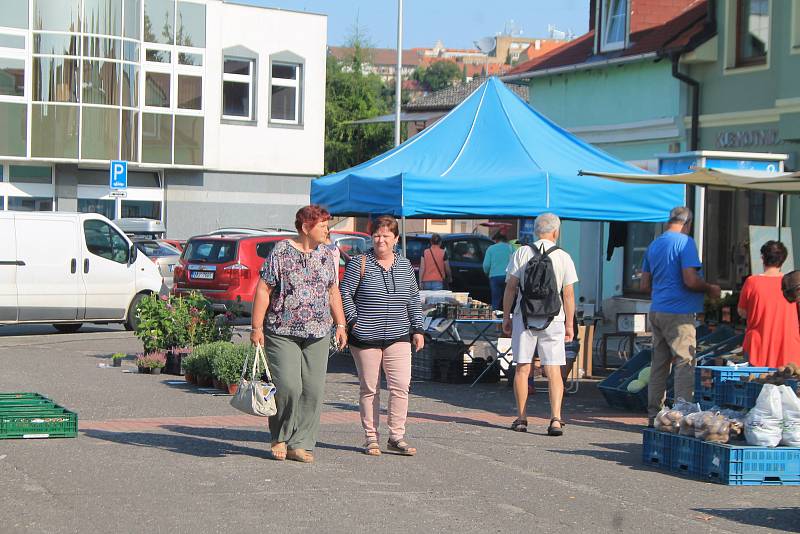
[237, 89]
[103, 17]
[130, 85]
[156, 89]
[101, 82]
[15, 14]
[465, 250]
[752, 32]
[12, 77]
[100, 133]
[30, 174]
[102, 240]
[54, 131]
[188, 140]
[613, 24]
[190, 92]
[101, 47]
[263, 250]
[149, 209]
[156, 138]
[130, 137]
[55, 79]
[210, 251]
[159, 21]
[55, 44]
[132, 17]
[12, 41]
[104, 207]
[57, 15]
[30, 204]
[285, 93]
[191, 25]
[14, 133]
[638, 238]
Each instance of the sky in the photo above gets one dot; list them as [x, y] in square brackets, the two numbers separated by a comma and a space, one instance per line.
[457, 23]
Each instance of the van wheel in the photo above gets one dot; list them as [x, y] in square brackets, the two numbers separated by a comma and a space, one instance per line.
[132, 321]
[67, 328]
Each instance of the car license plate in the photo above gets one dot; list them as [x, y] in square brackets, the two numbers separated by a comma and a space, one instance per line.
[205, 275]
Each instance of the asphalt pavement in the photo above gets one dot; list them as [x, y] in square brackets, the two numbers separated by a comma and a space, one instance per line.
[155, 454]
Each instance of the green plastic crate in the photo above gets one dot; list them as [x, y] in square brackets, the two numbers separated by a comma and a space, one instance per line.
[30, 415]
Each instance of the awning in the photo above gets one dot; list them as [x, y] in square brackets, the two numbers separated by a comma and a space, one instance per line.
[410, 116]
[778, 182]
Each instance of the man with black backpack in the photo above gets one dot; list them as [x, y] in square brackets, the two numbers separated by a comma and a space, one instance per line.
[539, 295]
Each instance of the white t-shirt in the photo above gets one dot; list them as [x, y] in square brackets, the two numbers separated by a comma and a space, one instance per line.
[563, 267]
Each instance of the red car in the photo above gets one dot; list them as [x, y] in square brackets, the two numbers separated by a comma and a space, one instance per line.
[224, 268]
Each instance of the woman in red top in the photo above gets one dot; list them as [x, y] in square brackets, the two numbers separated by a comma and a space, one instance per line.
[772, 338]
[434, 269]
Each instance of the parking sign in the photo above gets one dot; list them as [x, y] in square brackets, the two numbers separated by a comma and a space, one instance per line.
[118, 175]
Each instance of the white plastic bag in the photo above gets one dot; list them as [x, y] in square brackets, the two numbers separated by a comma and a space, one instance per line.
[763, 426]
[791, 417]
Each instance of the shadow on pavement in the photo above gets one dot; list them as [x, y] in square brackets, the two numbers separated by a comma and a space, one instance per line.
[189, 445]
[627, 454]
[785, 519]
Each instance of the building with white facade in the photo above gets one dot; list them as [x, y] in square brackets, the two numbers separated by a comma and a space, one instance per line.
[218, 108]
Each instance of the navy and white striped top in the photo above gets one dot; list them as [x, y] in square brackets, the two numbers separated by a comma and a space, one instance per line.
[384, 306]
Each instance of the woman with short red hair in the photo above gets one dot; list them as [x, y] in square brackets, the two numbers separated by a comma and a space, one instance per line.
[295, 299]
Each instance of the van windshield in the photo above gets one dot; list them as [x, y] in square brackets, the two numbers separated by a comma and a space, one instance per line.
[210, 251]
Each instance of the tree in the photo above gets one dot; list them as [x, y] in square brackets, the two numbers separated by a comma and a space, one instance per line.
[351, 95]
[438, 76]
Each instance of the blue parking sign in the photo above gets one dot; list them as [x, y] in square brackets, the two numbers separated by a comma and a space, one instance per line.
[118, 175]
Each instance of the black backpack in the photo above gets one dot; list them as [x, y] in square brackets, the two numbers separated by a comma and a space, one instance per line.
[539, 295]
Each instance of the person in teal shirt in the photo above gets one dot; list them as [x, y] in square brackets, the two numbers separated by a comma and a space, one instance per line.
[494, 265]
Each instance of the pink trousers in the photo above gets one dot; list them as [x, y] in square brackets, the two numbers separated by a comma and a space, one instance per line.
[396, 362]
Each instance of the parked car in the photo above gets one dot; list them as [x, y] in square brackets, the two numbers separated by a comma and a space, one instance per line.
[224, 268]
[68, 269]
[350, 244]
[175, 243]
[465, 253]
[164, 256]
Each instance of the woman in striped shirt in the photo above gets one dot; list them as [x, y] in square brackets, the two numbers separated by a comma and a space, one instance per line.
[382, 307]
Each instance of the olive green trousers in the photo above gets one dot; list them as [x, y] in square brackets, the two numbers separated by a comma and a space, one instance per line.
[298, 367]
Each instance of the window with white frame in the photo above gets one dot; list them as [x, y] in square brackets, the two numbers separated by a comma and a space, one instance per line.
[13, 107]
[285, 93]
[613, 24]
[238, 88]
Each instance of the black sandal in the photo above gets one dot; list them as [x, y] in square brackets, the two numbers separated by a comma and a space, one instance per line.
[553, 431]
[401, 447]
[519, 425]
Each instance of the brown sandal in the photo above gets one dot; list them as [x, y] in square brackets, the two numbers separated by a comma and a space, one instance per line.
[401, 447]
[278, 450]
[372, 448]
[300, 455]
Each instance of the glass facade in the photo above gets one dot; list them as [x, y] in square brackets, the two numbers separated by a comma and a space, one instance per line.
[141, 208]
[156, 138]
[13, 134]
[70, 86]
[54, 131]
[95, 205]
[30, 204]
[100, 139]
[30, 174]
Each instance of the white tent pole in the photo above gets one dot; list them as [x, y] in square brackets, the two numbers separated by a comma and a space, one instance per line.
[699, 218]
[398, 88]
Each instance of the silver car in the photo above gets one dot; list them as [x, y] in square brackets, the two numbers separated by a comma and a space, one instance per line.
[164, 255]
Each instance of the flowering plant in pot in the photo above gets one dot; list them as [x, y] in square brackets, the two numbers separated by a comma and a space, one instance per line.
[151, 363]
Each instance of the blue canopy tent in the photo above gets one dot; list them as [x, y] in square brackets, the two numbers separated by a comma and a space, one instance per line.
[494, 156]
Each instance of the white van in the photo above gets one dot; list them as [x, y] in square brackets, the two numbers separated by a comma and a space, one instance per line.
[68, 269]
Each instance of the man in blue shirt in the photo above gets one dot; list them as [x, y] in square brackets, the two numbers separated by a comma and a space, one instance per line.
[673, 272]
[495, 262]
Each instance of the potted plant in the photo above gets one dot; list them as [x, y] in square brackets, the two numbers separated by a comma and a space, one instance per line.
[201, 358]
[151, 363]
[116, 359]
[188, 368]
[227, 366]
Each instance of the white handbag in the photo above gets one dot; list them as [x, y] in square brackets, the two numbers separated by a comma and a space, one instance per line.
[255, 396]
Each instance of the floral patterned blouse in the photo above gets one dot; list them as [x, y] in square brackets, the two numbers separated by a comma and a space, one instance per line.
[299, 304]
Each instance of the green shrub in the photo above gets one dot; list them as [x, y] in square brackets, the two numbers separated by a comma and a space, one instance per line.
[227, 363]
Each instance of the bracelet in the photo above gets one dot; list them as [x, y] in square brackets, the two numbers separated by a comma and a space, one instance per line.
[256, 328]
[341, 326]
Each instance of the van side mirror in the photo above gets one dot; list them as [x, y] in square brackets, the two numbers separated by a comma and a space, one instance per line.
[132, 255]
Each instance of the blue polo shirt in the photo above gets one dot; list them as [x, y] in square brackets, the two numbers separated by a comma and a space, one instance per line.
[666, 257]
